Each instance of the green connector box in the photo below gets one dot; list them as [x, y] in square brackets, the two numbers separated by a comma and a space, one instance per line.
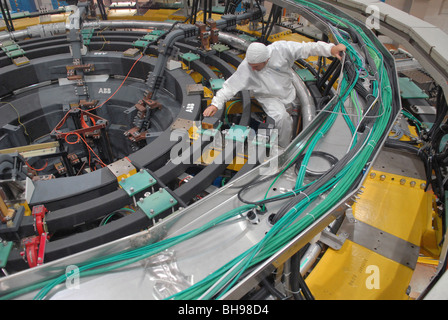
[190, 56]
[216, 84]
[138, 182]
[150, 37]
[238, 133]
[156, 203]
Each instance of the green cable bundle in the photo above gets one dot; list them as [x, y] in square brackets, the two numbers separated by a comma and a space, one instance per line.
[335, 184]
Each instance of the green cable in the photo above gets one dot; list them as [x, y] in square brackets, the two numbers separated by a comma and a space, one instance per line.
[120, 260]
[226, 121]
[346, 180]
[282, 232]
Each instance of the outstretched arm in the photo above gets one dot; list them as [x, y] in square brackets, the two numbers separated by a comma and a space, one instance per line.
[302, 50]
[231, 86]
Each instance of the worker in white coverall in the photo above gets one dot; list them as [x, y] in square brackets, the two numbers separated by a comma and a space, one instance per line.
[267, 72]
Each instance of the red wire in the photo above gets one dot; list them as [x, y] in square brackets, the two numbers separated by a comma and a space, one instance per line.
[46, 164]
[119, 87]
[72, 142]
[100, 105]
[101, 162]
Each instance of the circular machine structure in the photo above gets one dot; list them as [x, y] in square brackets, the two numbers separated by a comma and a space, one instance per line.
[106, 157]
[99, 115]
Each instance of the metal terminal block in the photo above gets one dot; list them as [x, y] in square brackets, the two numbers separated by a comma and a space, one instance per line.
[237, 133]
[157, 203]
[122, 169]
[138, 182]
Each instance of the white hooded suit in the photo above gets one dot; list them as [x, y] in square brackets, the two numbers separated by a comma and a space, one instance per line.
[273, 85]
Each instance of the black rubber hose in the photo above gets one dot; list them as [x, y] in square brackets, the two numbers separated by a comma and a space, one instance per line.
[272, 290]
[299, 287]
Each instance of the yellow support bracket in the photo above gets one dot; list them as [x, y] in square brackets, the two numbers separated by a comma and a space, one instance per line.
[397, 205]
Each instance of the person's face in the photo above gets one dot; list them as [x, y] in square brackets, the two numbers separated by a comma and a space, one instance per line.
[258, 66]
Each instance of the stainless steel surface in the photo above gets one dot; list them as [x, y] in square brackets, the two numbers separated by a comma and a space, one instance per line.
[381, 242]
[192, 260]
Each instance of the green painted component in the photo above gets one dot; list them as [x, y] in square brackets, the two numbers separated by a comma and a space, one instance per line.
[11, 47]
[157, 32]
[238, 133]
[138, 182]
[140, 43]
[189, 56]
[220, 47]
[87, 35]
[247, 37]
[150, 37]
[306, 75]
[5, 250]
[87, 31]
[409, 90]
[15, 53]
[216, 84]
[218, 9]
[156, 203]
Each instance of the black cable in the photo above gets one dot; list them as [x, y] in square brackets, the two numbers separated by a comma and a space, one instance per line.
[333, 66]
[204, 11]
[272, 290]
[209, 9]
[298, 285]
[295, 198]
[261, 12]
[322, 154]
[321, 181]
[332, 81]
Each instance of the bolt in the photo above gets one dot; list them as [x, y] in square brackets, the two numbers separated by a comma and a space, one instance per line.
[382, 177]
[402, 181]
[372, 175]
[423, 186]
[413, 183]
[171, 200]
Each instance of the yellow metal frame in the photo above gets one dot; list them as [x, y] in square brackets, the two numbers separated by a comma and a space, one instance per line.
[397, 205]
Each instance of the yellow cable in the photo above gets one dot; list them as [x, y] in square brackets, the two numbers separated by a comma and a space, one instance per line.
[18, 116]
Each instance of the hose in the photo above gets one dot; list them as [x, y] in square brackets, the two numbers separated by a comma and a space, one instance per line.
[335, 184]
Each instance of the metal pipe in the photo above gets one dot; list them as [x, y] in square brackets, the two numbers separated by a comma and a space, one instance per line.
[40, 30]
[309, 257]
[307, 102]
[126, 24]
[233, 40]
